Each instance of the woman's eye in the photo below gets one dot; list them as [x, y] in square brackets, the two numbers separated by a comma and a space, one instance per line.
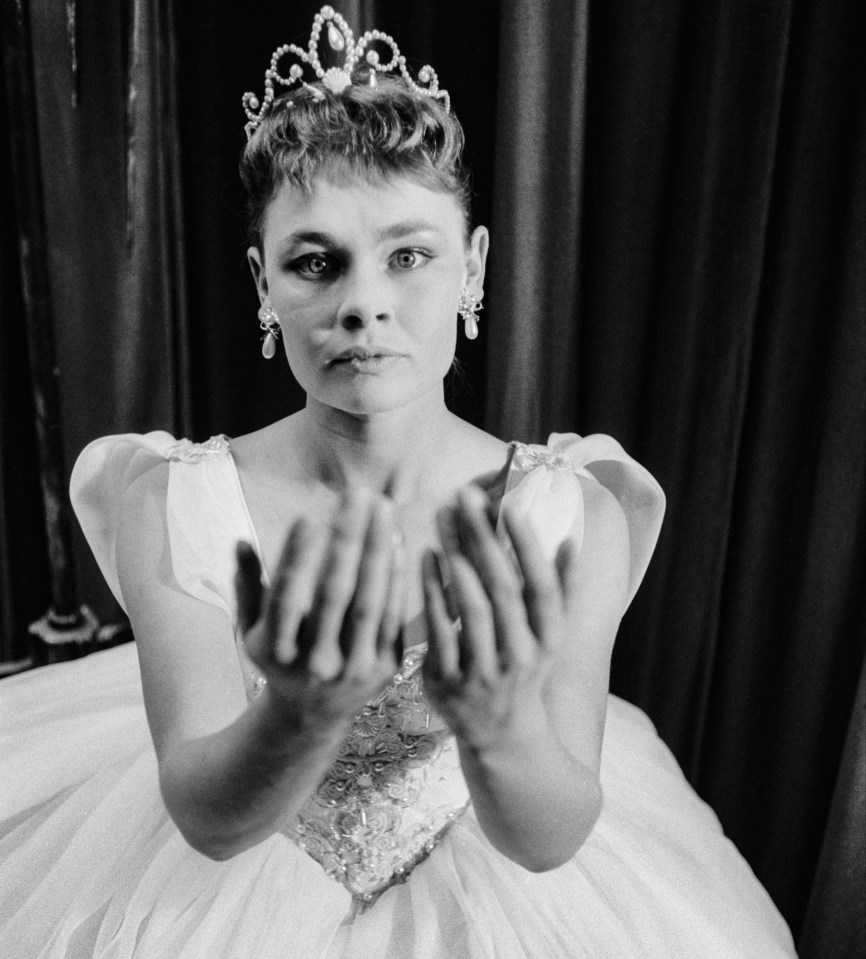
[410, 259]
[312, 264]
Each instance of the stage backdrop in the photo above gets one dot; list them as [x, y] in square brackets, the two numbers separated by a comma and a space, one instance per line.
[676, 198]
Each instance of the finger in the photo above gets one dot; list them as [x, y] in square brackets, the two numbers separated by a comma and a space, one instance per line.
[395, 604]
[293, 589]
[337, 582]
[478, 636]
[442, 660]
[542, 597]
[248, 586]
[364, 614]
[401, 488]
[567, 573]
[500, 580]
[446, 526]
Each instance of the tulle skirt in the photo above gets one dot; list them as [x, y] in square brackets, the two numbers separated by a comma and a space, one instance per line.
[92, 866]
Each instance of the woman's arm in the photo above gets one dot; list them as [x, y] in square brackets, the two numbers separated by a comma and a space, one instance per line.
[525, 686]
[231, 773]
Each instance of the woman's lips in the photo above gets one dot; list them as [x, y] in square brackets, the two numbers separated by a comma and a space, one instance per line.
[360, 359]
[374, 363]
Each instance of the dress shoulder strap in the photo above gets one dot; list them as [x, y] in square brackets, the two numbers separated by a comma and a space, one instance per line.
[544, 484]
[205, 512]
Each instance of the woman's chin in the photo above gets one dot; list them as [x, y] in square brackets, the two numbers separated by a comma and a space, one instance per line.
[368, 396]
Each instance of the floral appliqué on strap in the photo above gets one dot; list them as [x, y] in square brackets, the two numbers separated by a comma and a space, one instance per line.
[527, 456]
[186, 451]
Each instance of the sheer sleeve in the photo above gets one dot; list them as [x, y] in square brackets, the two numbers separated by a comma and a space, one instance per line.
[543, 484]
[102, 473]
[205, 512]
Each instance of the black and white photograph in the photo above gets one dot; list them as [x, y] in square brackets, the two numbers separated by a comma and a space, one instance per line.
[432, 479]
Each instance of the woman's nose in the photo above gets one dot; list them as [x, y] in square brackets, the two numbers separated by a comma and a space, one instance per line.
[365, 299]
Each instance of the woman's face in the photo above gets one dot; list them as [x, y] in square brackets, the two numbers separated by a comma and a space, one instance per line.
[365, 279]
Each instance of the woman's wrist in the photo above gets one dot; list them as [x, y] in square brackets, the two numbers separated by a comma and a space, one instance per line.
[282, 723]
[507, 740]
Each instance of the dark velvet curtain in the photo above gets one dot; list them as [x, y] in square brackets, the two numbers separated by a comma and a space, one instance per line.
[676, 198]
[103, 124]
[679, 221]
[23, 550]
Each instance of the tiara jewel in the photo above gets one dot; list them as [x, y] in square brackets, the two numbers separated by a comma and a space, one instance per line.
[336, 79]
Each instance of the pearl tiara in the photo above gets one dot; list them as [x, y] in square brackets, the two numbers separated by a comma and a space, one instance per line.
[336, 79]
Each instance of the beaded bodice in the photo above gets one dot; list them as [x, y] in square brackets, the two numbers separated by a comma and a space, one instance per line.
[393, 792]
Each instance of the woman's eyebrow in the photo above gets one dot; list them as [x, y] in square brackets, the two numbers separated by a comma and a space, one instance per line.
[393, 232]
[404, 228]
[313, 237]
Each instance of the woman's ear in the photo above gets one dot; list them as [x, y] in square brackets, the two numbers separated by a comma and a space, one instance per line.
[254, 258]
[476, 261]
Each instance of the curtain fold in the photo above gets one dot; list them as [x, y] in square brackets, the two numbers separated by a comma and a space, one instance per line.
[113, 212]
[833, 925]
[702, 298]
[152, 294]
[24, 593]
[534, 262]
[114, 256]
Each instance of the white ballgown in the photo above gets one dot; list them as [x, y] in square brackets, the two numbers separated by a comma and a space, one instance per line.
[387, 860]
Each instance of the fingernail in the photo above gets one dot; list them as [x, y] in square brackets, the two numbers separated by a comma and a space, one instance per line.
[247, 560]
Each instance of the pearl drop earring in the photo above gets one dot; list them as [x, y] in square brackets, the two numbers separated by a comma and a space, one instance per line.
[270, 323]
[468, 307]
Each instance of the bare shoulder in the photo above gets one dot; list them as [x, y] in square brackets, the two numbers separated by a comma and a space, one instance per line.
[255, 451]
[480, 452]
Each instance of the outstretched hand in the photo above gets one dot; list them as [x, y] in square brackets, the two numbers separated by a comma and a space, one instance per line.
[487, 678]
[326, 633]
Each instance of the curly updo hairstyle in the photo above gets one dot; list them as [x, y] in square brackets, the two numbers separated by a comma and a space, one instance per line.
[373, 133]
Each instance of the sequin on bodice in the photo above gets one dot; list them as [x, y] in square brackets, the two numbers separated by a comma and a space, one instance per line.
[393, 792]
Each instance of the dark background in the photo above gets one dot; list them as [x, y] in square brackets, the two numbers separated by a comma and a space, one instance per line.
[676, 198]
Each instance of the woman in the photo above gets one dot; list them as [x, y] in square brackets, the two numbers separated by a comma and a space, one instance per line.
[377, 724]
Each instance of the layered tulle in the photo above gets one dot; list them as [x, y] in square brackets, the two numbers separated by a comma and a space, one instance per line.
[92, 866]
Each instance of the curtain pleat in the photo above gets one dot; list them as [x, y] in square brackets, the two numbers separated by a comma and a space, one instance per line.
[833, 926]
[111, 203]
[113, 215]
[152, 286]
[28, 221]
[24, 592]
[534, 273]
[709, 278]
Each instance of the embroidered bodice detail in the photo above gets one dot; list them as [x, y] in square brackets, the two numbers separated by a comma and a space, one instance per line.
[185, 451]
[390, 796]
[393, 792]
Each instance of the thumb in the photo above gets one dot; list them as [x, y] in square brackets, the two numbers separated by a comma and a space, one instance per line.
[567, 571]
[248, 586]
